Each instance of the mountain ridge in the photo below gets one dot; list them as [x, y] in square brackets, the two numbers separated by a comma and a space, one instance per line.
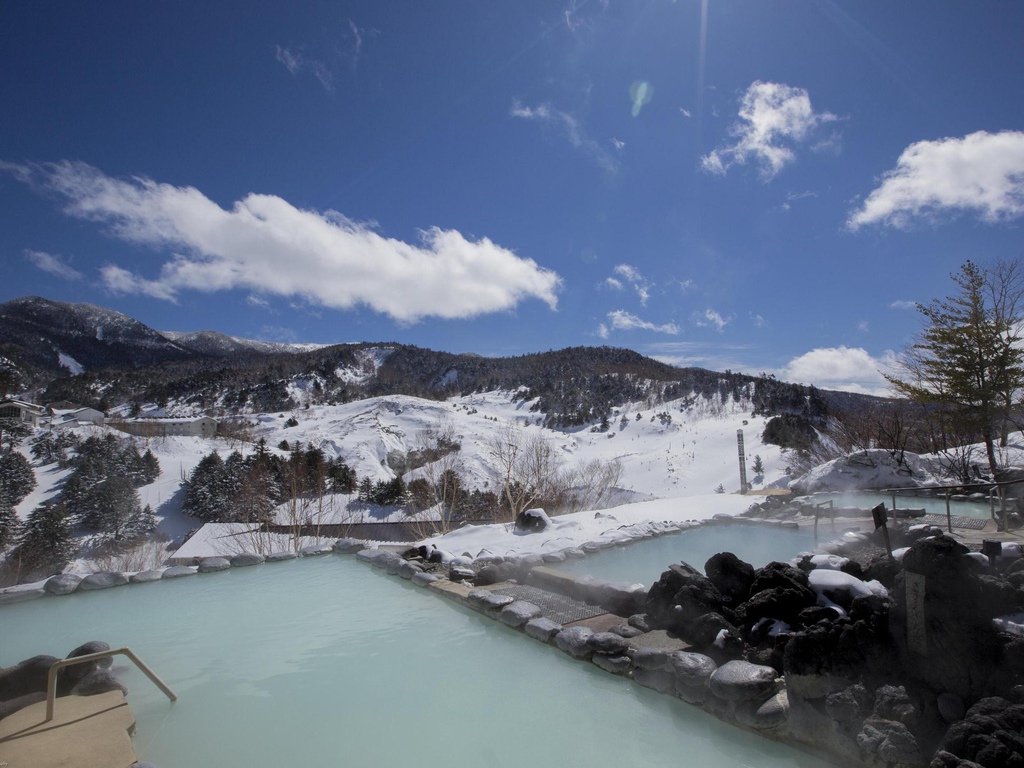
[122, 360]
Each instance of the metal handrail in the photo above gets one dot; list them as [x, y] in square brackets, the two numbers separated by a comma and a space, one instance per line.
[51, 678]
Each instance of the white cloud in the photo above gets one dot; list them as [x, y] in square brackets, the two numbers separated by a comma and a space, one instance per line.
[772, 118]
[850, 369]
[266, 245]
[295, 62]
[759, 321]
[571, 128]
[602, 331]
[863, 326]
[982, 173]
[53, 265]
[636, 281]
[901, 304]
[292, 60]
[712, 319]
[618, 144]
[612, 283]
[713, 356]
[621, 320]
[685, 112]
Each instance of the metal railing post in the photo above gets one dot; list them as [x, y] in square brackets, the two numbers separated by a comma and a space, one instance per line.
[51, 677]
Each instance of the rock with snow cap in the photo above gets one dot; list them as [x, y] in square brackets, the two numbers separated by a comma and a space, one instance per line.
[103, 580]
[347, 546]
[214, 564]
[280, 557]
[247, 559]
[178, 571]
[532, 521]
[146, 577]
[315, 550]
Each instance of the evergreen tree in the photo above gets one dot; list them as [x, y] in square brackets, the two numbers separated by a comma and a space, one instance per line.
[45, 543]
[206, 492]
[10, 525]
[366, 490]
[120, 511]
[17, 480]
[758, 465]
[12, 433]
[341, 477]
[968, 362]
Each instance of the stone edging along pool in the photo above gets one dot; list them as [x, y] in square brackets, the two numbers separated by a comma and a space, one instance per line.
[511, 567]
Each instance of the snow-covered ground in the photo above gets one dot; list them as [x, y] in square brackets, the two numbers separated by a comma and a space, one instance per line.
[577, 529]
[668, 451]
[692, 453]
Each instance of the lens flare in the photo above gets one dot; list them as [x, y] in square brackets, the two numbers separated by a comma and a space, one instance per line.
[640, 92]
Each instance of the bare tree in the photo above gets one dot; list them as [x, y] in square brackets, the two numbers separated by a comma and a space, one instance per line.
[527, 465]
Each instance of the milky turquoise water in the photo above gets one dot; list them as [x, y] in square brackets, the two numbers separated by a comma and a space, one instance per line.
[931, 505]
[329, 662]
[644, 561]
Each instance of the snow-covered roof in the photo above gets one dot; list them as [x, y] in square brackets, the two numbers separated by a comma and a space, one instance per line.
[169, 419]
[22, 404]
[229, 539]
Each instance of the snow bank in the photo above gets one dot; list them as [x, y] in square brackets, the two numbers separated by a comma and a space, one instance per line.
[869, 470]
[620, 524]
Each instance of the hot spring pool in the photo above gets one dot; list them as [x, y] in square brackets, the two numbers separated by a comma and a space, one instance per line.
[645, 561]
[327, 661]
[932, 505]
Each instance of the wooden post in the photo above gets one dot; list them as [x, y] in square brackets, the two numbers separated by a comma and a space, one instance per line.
[949, 517]
[881, 518]
[743, 461]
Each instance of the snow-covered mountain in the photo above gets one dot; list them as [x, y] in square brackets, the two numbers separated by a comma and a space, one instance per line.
[216, 344]
[55, 338]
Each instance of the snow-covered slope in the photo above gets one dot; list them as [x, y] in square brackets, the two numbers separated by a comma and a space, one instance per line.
[670, 450]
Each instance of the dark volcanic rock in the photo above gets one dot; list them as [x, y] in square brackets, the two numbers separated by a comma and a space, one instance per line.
[681, 596]
[96, 682]
[991, 735]
[531, 521]
[893, 703]
[890, 741]
[69, 677]
[959, 603]
[29, 676]
[784, 603]
[849, 704]
[778, 575]
[730, 575]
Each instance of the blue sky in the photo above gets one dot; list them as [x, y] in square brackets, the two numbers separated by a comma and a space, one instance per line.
[753, 185]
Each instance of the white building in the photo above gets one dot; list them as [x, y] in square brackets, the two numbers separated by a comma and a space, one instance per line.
[28, 413]
[198, 426]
